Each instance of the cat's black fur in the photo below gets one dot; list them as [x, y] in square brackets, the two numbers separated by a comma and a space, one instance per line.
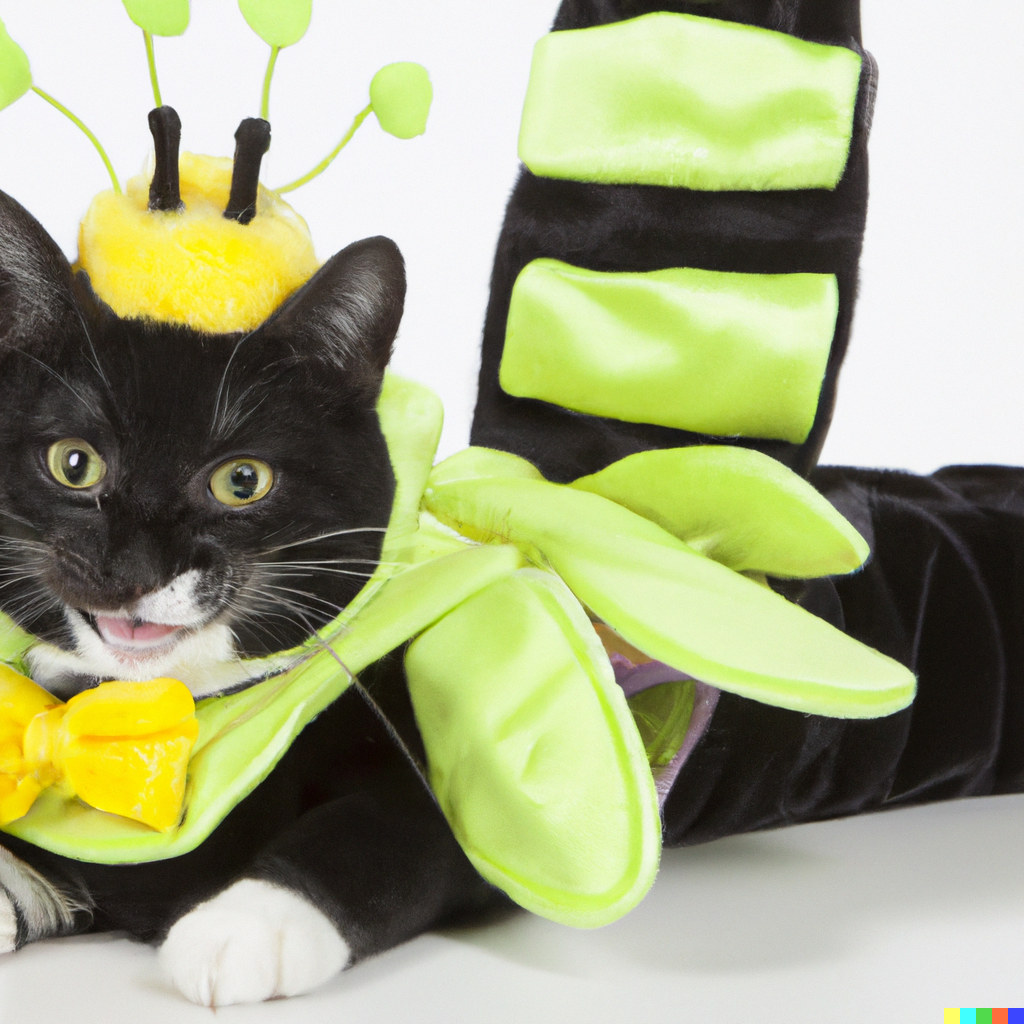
[345, 819]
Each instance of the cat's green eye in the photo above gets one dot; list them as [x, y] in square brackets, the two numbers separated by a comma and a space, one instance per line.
[241, 482]
[75, 463]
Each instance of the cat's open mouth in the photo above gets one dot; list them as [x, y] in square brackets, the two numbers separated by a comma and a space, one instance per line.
[134, 637]
[133, 643]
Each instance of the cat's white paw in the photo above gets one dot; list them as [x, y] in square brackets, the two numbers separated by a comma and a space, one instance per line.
[252, 942]
[8, 925]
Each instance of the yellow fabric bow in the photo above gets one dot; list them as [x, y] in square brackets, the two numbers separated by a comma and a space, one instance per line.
[120, 747]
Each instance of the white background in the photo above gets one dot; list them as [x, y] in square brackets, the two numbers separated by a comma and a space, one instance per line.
[887, 918]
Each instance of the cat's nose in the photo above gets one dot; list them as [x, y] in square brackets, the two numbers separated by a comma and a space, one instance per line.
[134, 569]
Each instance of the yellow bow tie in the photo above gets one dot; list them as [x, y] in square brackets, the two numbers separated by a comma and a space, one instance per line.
[121, 747]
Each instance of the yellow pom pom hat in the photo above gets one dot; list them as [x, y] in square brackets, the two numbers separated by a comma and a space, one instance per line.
[196, 240]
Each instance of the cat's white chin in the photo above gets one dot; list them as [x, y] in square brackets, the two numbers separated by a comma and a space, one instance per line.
[109, 651]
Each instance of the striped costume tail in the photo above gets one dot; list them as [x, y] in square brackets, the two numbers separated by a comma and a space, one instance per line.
[678, 263]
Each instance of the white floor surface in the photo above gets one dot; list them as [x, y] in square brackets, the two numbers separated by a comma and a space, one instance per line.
[884, 918]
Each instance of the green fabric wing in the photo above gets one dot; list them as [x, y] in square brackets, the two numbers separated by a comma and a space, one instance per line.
[737, 506]
[676, 605]
[533, 754]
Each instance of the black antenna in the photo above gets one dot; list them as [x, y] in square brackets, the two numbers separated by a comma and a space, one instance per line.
[164, 192]
[252, 140]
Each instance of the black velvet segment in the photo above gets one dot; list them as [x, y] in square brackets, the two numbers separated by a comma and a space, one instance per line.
[650, 227]
[820, 21]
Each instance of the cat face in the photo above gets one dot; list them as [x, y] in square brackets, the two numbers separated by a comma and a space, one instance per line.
[172, 501]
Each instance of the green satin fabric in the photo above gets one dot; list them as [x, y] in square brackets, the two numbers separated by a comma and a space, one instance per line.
[679, 100]
[737, 506]
[529, 704]
[667, 599]
[724, 354]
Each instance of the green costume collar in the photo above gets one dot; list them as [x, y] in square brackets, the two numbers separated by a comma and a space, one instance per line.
[530, 742]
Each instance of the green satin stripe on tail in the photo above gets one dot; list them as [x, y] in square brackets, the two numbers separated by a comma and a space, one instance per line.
[691, 102]
[533, 754]
[724, 354]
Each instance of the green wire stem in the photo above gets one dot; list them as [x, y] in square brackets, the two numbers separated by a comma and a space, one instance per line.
[88, 134]
[326, 162]
[151, 58]
[265, 99]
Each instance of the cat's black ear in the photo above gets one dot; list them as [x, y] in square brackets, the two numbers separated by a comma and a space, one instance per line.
[37, 298]
[347, 314]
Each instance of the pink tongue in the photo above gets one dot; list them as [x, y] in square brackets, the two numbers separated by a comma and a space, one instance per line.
[125, 630]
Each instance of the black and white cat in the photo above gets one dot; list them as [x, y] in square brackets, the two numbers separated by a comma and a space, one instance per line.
[119, 557]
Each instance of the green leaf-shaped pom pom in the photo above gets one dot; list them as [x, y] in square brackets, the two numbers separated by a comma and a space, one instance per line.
[15, 75]
[277, 22]
[159, 17]
[400, 95]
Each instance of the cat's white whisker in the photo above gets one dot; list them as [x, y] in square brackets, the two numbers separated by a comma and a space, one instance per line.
[334, 561]
[95, 360]
[259, 594]
[273, 609]
[90, 406]
[307, 572]
[305, 593]
[270, 597]
[223, 384]
[16, 577]
[236, 415]
[324, 536]
[17, 519]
